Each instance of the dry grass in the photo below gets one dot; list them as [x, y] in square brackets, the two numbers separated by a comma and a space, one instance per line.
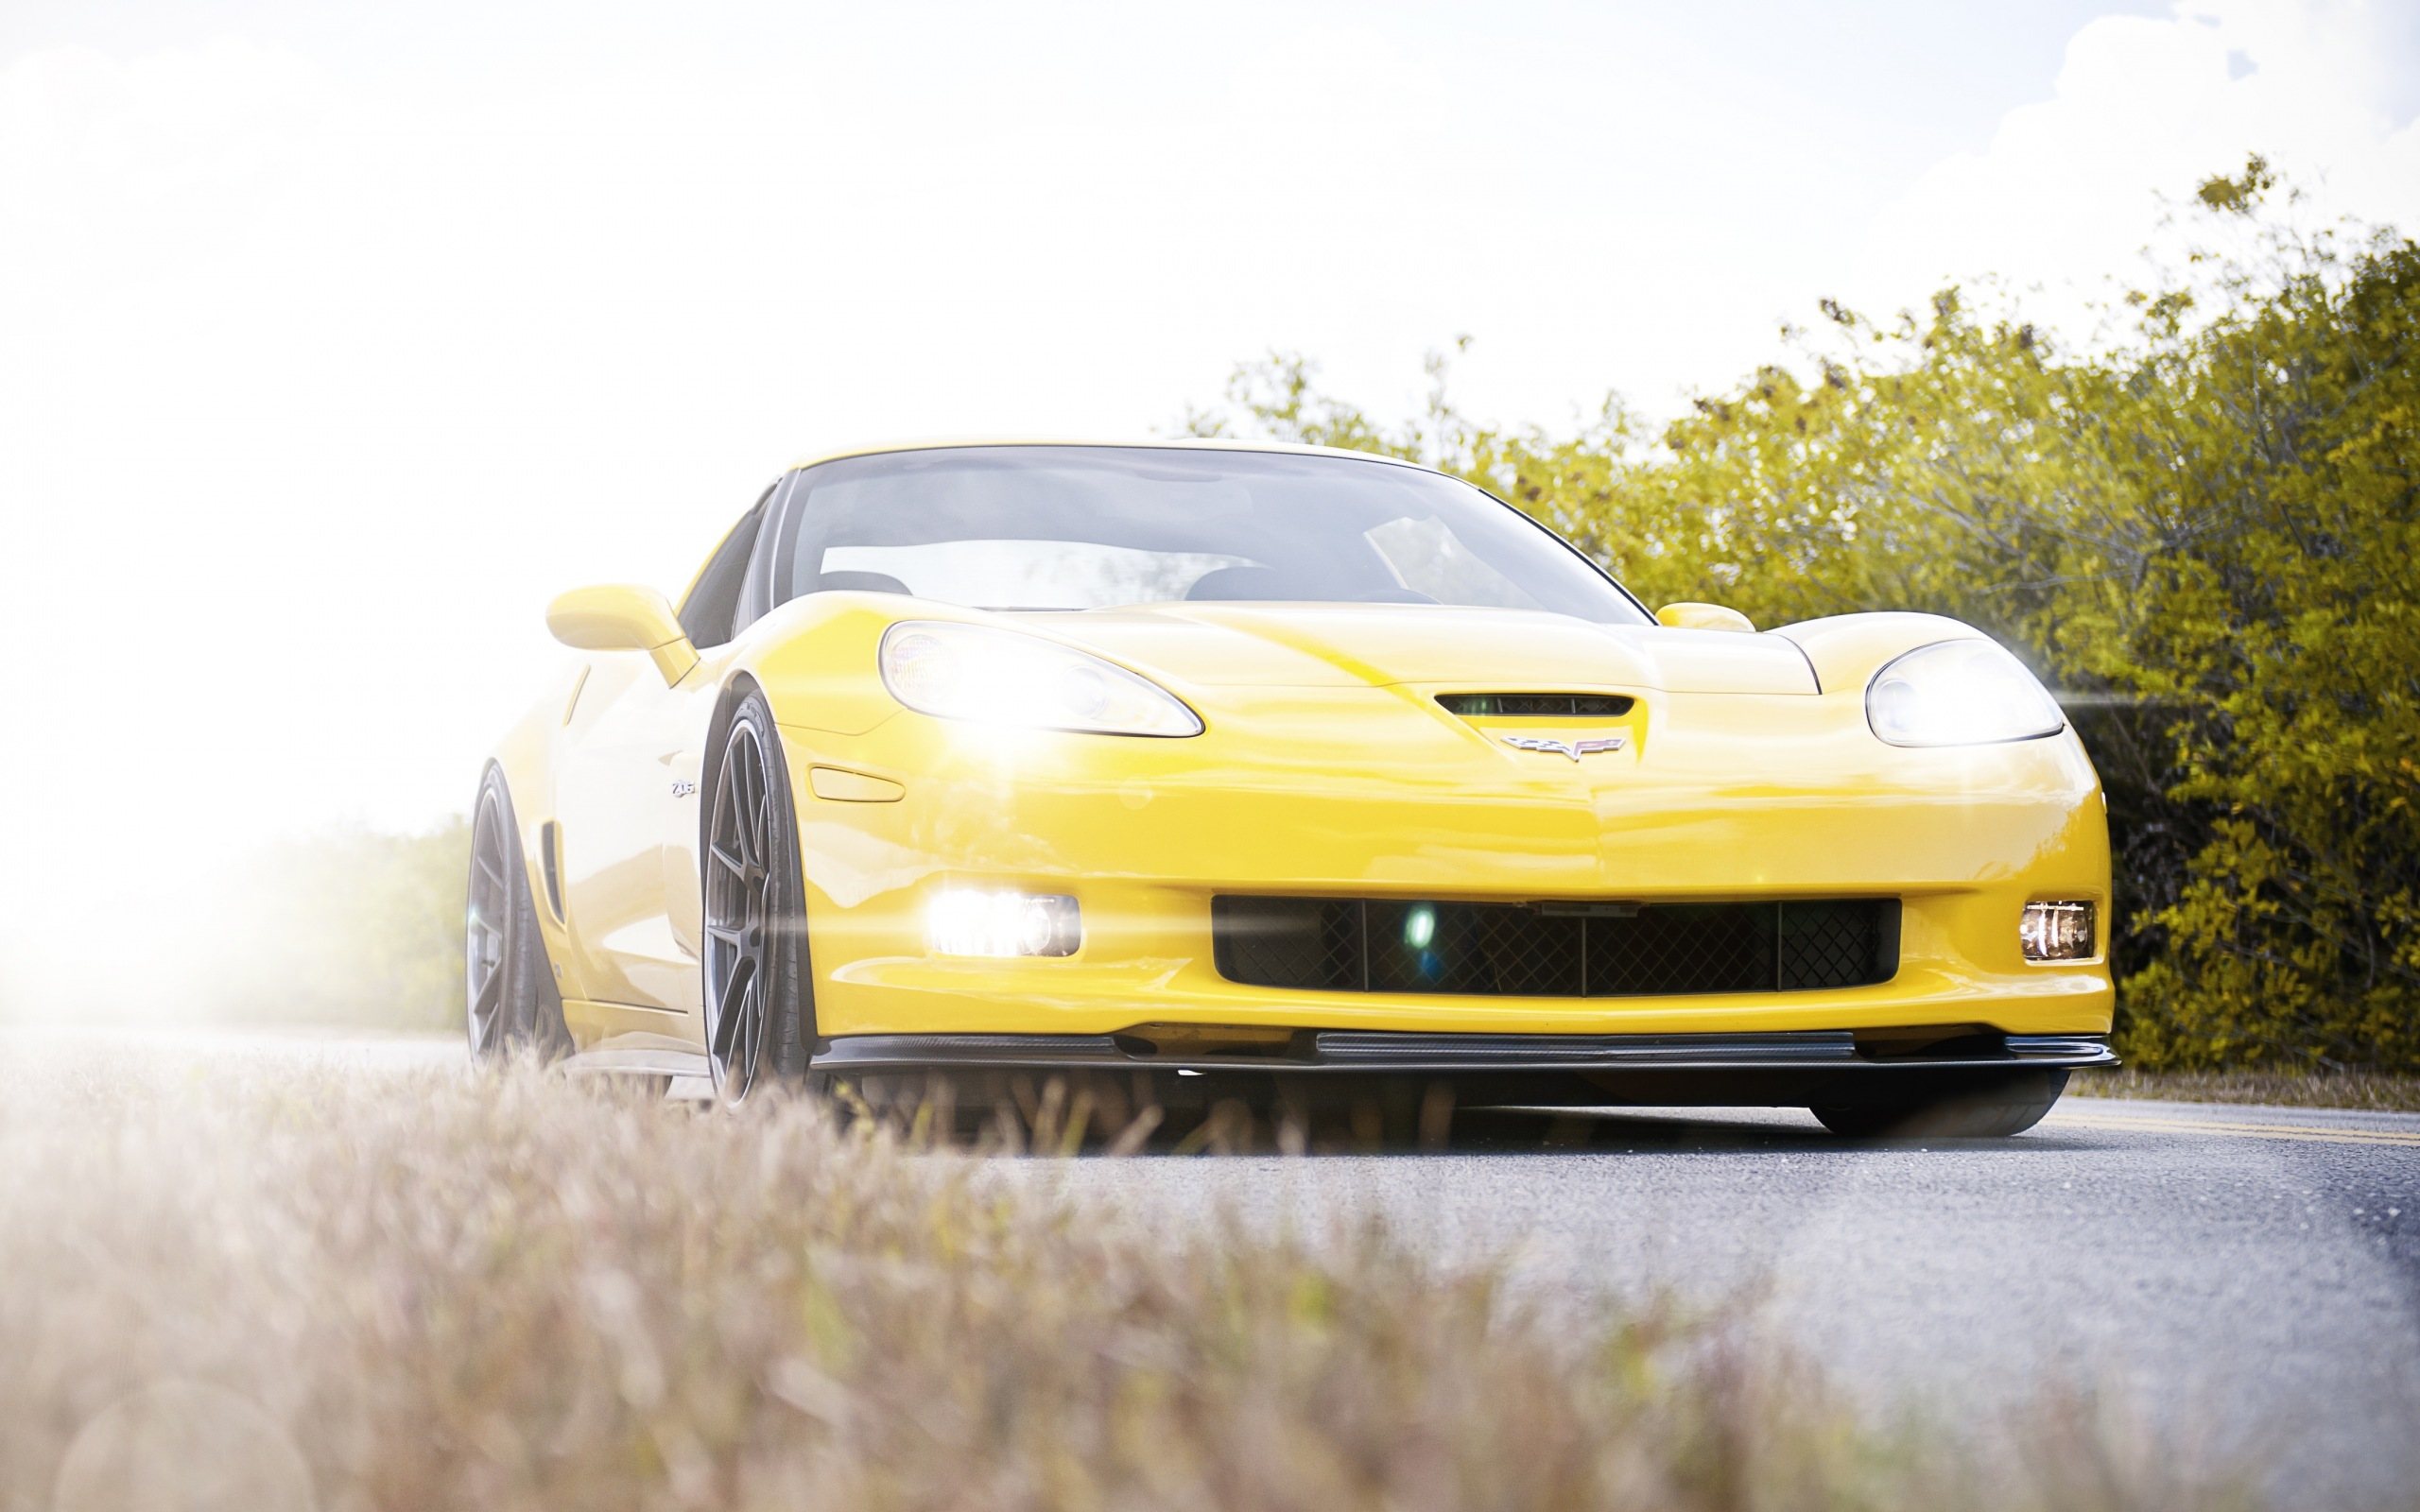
[2282, 1089]
[425, 1289]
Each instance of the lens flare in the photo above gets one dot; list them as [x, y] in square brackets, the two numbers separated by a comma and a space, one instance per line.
[979, 922]
[1960, 692]
[995, 677]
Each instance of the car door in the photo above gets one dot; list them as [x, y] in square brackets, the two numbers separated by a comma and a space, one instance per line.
[625, 790]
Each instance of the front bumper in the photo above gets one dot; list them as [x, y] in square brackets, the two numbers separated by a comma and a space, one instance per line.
[1376, 794]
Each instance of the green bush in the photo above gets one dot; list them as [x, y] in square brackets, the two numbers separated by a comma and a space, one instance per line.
[353, 929]
[2200, 527]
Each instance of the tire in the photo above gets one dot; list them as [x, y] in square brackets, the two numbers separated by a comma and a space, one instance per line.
[758, 994]
[512, 1003]
[1967, 1108]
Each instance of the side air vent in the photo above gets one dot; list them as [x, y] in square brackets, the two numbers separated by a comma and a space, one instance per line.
[549, 864]
[1536, 705]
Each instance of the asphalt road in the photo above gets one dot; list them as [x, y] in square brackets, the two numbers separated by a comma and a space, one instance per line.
[2245, 1279]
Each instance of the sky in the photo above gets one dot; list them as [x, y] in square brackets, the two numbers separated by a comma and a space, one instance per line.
[335, 339]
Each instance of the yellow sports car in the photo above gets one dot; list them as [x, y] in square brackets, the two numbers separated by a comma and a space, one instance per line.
[1270, 770]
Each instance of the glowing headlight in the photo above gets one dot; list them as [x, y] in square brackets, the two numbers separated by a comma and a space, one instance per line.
[1960, 692]
[969, 921]
[1008, 677]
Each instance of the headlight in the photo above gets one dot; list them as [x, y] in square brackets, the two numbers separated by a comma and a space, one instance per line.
[1008, 677]
[1958, 693]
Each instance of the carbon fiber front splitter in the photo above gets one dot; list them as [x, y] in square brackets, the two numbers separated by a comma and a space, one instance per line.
[1354, 1050]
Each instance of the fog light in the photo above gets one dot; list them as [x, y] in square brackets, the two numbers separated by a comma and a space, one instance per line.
[971, 921]
[2057, 931]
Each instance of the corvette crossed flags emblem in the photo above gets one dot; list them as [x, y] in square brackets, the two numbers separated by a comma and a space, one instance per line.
[1573, 748]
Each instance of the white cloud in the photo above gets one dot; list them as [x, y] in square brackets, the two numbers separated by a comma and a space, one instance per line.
[2069, 190]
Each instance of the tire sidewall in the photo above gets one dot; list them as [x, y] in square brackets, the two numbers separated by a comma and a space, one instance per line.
[1964, 1107]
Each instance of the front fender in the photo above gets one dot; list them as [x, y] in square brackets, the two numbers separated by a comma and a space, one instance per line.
[816, 657]
[1846, 650]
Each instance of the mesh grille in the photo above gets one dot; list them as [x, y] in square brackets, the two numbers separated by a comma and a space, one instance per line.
[1510, 950]
[1467, 948]
[1685, 947]
[1297, 942]
[1835, 943]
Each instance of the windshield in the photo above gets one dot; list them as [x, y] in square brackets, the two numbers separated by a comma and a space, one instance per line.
[1078, 528]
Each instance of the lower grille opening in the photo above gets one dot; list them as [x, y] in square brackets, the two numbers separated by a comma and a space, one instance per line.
[1554, 949]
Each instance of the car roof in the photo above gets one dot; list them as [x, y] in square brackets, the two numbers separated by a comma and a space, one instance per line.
[1184, 443]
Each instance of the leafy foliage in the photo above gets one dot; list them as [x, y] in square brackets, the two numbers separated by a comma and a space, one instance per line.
[356, 928]
[2200, 528]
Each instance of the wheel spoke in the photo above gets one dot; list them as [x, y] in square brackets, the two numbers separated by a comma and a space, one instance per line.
[751, 844]
[742, 767]
[491, 994]
[752, 1030]
[734, 796]
[734, 1005]
[751, 813]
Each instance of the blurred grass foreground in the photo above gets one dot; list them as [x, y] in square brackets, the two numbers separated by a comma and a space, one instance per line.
[294, 1280]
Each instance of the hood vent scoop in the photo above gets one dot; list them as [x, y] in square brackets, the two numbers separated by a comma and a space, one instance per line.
[1536, 705]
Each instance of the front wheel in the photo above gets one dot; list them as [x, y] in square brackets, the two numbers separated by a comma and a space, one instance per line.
[760, 1012]
[1966, 1108]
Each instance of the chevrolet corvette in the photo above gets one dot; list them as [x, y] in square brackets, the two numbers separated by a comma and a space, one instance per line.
[1245, 768]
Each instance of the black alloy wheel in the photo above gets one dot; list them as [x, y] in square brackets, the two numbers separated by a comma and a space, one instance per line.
[759, 1021]
[507, 986]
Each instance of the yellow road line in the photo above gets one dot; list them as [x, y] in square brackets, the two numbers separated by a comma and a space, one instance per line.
[2242, 1131]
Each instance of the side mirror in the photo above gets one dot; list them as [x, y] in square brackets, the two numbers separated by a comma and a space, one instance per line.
[1703, 617]
[620, 617]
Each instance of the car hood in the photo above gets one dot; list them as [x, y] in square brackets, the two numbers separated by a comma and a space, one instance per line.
[1376, 644]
